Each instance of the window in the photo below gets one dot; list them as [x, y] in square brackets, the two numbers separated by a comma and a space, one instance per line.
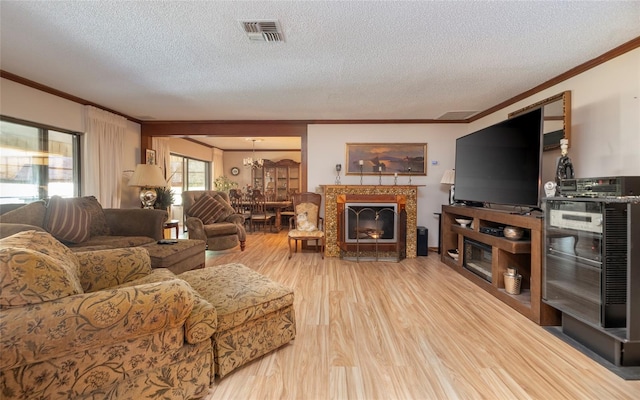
[188, 174]
[37, 162]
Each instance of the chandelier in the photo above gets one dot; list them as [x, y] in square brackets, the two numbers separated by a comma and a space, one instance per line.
[253, 162]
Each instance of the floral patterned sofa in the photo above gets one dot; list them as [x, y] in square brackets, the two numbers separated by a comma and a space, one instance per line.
[104, 324]
[98, 324]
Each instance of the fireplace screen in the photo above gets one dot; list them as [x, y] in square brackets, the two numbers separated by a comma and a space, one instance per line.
[370, 222]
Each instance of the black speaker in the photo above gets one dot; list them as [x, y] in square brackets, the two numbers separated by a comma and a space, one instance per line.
[422, 237]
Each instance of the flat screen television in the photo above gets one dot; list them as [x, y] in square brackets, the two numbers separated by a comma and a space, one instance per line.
[501, 164]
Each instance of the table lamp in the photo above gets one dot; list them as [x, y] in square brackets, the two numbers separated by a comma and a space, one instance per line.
[449, 178]
[146, 177]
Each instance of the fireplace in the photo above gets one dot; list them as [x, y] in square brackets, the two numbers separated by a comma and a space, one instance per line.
[403, 196]
[477, 258]
[370, 222]
[371, 227]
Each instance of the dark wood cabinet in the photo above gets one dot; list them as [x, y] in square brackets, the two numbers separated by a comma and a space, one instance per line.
[525, 255]
[277, 179]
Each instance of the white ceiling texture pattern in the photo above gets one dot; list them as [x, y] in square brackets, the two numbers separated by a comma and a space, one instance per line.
[191, 60]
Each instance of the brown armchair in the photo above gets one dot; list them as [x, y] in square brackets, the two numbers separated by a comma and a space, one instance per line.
[210, 217]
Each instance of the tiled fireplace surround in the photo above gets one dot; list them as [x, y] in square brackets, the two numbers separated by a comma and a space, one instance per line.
[404, 194]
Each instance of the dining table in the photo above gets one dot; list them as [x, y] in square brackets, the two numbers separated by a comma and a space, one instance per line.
[277, 206]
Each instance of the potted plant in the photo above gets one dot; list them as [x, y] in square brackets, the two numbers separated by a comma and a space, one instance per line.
[164, 199]
[225, 184]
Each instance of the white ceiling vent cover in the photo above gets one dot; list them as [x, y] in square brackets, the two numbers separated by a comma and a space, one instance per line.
[263, 30]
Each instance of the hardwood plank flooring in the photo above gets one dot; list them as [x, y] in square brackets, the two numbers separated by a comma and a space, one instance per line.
[408, 330]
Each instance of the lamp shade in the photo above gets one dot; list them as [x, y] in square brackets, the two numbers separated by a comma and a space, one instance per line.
[147, 175]
[449, 177]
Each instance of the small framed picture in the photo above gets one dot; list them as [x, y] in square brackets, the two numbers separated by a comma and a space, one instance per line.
[150, 157]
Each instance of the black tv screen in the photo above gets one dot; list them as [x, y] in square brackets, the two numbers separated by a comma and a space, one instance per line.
[501, 163]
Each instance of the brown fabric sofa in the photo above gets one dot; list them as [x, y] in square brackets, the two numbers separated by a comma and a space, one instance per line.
[109, 227]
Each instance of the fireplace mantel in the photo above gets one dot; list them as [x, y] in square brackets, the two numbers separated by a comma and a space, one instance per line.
[332, 192]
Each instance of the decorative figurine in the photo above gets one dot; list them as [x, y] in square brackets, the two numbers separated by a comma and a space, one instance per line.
[564, 169]
[338, 169]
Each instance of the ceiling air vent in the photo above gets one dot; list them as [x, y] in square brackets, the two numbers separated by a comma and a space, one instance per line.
[263, 31]
[457, 115]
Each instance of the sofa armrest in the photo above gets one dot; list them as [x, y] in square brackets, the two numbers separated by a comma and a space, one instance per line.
[195, 227]
[101, 269]
[136, 222]
[73, 324]
[202, 322]
[235, 219]
[238, 219]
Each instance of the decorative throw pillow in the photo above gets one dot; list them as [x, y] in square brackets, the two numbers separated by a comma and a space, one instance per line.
[30, 214]
[98, 226]
[206, 208]
[311, 211]
[66, 221]
[227, 209]
[34, 268]
[303, 223]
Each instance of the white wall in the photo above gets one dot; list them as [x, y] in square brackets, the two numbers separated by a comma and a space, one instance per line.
[327, 147]
[23, 102]
[19, 101]
[189, 149]
[605, 121]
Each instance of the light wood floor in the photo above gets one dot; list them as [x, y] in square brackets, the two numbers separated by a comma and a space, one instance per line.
[409, 330]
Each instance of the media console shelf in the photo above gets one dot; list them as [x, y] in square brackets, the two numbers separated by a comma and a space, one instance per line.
[525, 255]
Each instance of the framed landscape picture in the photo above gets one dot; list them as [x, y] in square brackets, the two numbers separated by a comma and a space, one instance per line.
[387, 158]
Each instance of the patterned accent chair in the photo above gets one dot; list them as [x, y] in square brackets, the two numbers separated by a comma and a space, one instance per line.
[210, 217]
[98, 324]
[306, 224]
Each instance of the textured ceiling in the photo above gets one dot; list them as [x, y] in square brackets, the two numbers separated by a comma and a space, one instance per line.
[187, 60]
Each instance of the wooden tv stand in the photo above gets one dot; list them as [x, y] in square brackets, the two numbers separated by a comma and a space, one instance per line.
[525, 254]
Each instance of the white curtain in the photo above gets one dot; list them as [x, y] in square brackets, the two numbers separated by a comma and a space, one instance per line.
[102, 156]
[218, 163]
[163, 155]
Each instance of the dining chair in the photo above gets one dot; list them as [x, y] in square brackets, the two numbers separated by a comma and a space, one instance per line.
[260, 214]
[288, 212]
[236, 198]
